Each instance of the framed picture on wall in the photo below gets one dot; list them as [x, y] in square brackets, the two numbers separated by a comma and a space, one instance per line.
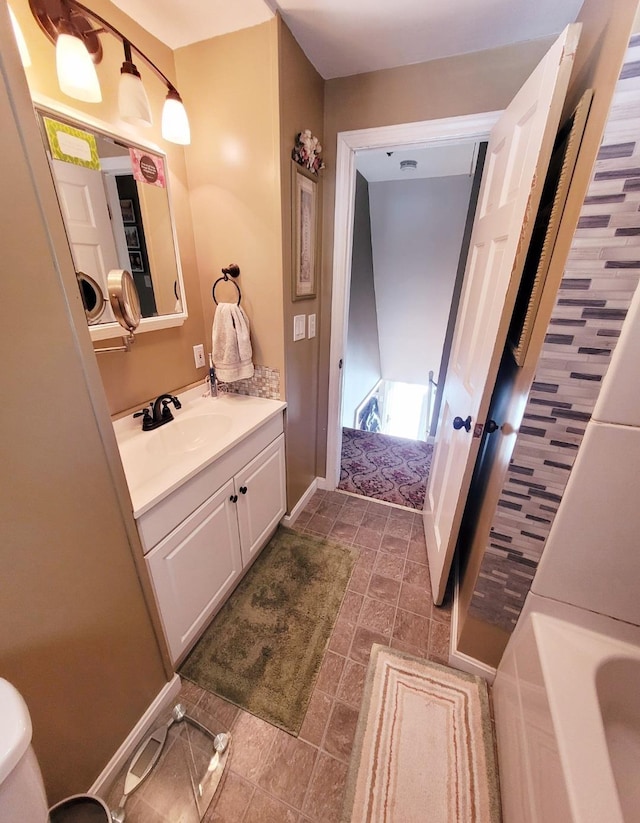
[131, 233]
[136, 261]
[304, 240]
[128, 214]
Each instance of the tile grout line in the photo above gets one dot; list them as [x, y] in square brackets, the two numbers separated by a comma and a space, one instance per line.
[253, 792]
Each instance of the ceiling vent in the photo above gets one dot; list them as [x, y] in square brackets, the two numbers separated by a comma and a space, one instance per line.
[408, 165]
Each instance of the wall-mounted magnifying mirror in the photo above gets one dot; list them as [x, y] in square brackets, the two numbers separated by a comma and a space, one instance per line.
[116, 209]
[92, 297]
[124, 299]
[125, 304]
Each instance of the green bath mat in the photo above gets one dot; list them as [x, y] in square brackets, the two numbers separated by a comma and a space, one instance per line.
[264, 648]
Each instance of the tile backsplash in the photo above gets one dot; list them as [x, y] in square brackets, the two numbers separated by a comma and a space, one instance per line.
[264, 383]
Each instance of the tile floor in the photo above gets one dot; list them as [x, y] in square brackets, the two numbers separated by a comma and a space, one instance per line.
[273, 777]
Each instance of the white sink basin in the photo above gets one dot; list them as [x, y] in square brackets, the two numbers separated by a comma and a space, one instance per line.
[157, 462]
[188, 434]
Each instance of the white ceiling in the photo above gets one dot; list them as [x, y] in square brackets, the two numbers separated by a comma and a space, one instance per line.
[377, 165]
[343, 37]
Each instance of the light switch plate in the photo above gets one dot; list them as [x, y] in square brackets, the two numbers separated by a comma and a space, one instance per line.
[299, 326]
[311, 327]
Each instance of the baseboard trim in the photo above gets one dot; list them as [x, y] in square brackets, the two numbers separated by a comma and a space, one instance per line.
[162, 702]
[457, 659]
[325, 485]
[464, 663]
[290, 519]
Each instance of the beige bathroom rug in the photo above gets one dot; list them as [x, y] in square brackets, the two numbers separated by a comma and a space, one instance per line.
[424, 746]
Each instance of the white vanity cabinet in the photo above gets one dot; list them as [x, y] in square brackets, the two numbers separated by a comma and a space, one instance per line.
[195, 567]
[201, 538]
[260, 488]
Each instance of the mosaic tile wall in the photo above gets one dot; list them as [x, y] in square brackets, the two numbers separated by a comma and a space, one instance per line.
[600, 278]
[264, 383]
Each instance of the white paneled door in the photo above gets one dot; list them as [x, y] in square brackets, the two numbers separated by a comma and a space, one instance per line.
[82, 202]
[518, 154]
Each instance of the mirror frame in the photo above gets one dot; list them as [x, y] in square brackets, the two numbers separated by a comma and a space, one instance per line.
[105, 331]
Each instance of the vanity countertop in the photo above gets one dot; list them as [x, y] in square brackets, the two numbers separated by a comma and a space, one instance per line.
[156, 463]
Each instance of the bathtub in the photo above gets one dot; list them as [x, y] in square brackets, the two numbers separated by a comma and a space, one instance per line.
[567, 708]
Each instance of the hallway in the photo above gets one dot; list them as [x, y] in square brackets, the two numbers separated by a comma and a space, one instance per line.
[382, 467]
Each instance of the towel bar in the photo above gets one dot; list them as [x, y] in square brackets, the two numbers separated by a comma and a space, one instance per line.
[232, 270]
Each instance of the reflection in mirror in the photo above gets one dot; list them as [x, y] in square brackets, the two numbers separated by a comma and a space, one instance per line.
[125, 304]
[116, 217]
[92, 297]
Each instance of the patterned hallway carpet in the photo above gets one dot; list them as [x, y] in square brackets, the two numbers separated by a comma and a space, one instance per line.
[387, 468]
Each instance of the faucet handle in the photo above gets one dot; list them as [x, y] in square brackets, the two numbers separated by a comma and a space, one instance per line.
[147, 419]
[145, 413]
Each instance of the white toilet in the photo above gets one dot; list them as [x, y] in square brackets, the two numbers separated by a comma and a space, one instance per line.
[22, 795]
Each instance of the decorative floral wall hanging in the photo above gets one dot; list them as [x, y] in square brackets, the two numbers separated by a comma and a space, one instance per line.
[307, 150]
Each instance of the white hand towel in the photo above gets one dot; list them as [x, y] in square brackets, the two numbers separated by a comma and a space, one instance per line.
[231, 343]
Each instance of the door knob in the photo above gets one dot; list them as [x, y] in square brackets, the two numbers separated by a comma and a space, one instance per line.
[243, 489]
[491, 426]
[234, 498]
[459, 423]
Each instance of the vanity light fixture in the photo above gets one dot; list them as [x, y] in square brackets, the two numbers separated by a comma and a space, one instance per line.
[79, 28]
[133, 103]
[76, 71]
[22, 43]
[175, 123]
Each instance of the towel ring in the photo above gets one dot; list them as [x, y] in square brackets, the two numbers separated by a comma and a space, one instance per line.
[233, 270]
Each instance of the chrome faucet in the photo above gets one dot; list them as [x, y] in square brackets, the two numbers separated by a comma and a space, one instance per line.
[158, 413]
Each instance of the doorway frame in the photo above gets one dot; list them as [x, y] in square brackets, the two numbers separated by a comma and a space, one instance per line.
[431, 133]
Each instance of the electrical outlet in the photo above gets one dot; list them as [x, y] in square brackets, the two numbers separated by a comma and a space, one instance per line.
[311, 326]
[198, 355]
[299, 326]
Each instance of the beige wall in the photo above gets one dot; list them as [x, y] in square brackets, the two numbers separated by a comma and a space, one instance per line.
[230, 88]
[301, 107]
[163, 360]
[75, 634]
[464, 84]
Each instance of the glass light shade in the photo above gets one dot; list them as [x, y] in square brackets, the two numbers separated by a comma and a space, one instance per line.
[133, 103]
[175, 123]
[22, 43]
[77, 75]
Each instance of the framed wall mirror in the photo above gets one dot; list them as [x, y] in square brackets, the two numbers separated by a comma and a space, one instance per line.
[115, 204]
